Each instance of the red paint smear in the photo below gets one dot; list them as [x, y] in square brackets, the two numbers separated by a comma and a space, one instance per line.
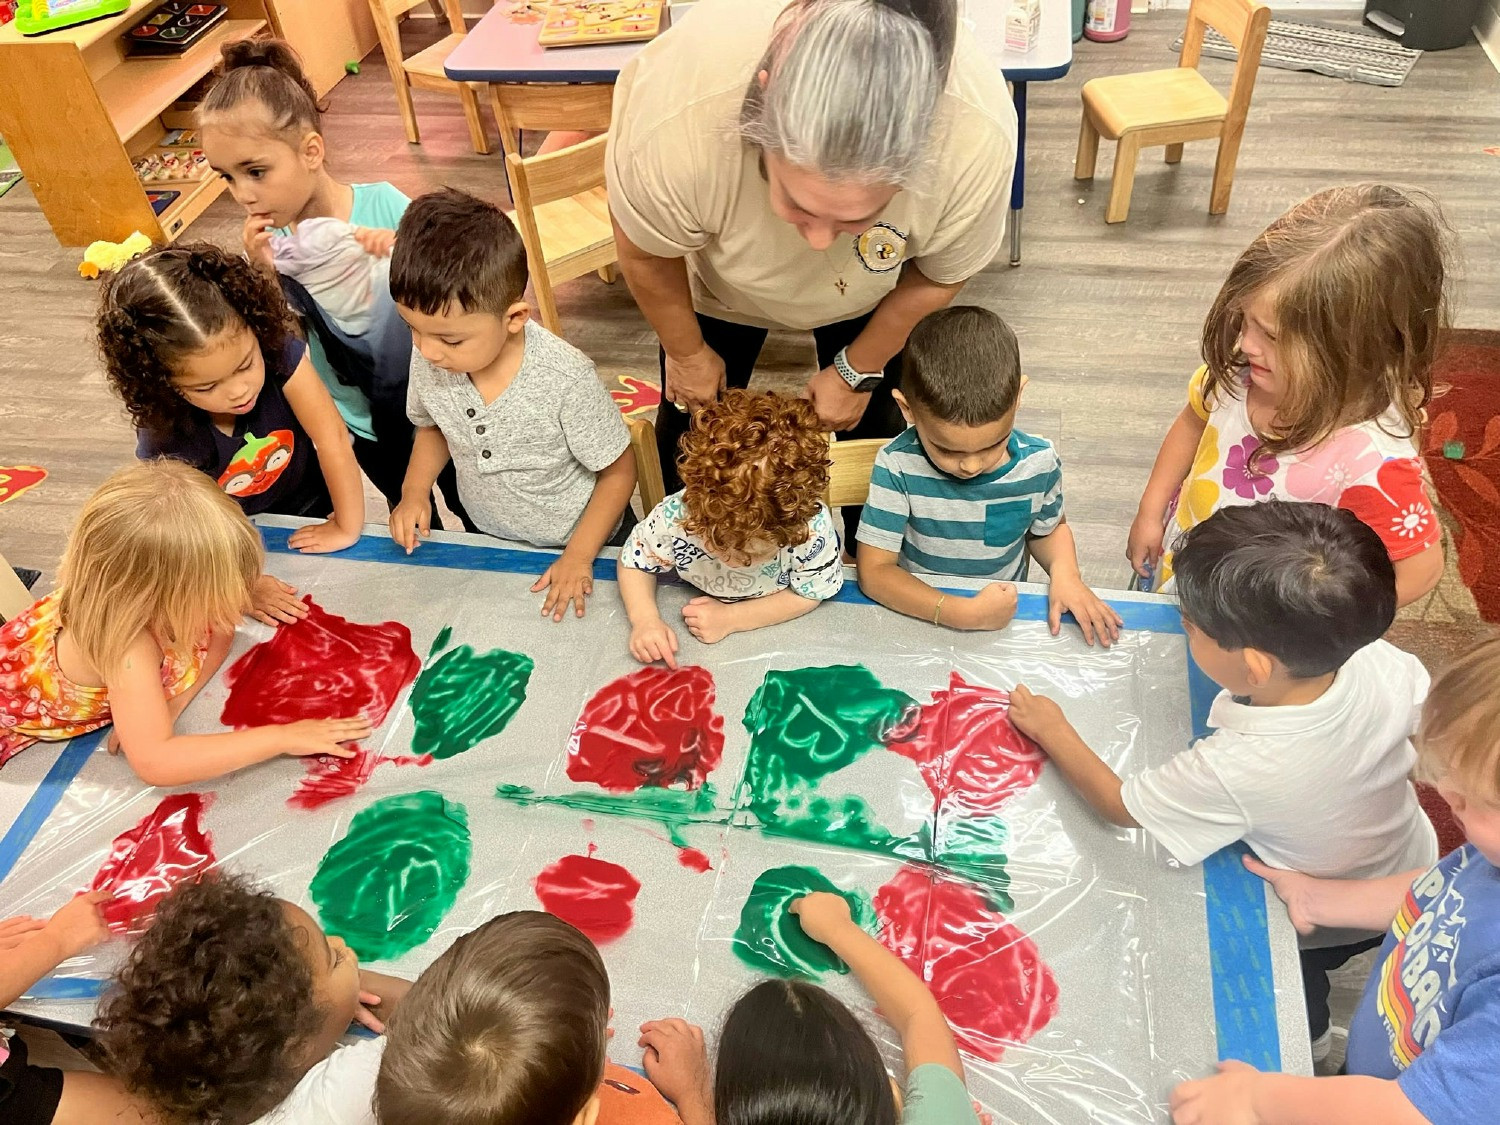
[654, 727]
[989, 979]
[694, 859]
[323, 667]
[169, 845]
[593, 894]
[971, 756]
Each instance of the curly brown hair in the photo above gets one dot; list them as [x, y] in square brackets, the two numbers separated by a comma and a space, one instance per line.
[208, 1019]
[171, 302]
[754, 472]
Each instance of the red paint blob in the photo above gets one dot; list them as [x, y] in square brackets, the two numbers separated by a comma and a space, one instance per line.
[971, 756]
[988, 977]
[593, 894]
[654, 727]
[693, 859]
[329, 778]
[323, 667]
[169, 845]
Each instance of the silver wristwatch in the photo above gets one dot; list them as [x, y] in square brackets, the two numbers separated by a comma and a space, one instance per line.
[857, 380]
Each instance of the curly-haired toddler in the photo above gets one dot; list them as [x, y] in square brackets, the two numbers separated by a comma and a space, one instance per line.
[749, 528]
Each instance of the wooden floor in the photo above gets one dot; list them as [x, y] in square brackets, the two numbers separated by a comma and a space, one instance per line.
[1108, 317]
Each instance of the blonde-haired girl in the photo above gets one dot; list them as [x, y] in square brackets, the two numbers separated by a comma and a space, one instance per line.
[156, 574]
[1318, 367]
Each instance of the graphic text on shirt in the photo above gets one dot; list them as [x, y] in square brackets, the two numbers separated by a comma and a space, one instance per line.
[258, 463]
[1412, 984]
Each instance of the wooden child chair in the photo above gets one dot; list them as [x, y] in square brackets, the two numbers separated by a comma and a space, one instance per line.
[15, 598]
[647, 464]
[851, 463]
[424, 70]
[1170, 107]
[549, 106]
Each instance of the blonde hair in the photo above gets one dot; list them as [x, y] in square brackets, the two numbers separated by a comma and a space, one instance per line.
[158, 549]
[1459, 740]
[1356, 275]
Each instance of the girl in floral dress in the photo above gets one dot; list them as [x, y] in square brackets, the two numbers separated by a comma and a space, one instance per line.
[1318, 351]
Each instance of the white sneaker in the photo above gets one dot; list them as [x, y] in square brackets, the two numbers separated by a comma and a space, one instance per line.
[1321, 1046]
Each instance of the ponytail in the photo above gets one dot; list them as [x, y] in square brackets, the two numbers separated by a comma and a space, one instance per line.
[266, 73]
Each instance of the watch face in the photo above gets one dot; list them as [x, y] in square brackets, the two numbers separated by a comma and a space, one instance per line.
[868, 383]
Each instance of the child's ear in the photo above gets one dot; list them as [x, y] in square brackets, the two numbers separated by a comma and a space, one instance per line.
[905, 408]
[516, 316]
[312, 150]
[1260, 667]
[589, 1114]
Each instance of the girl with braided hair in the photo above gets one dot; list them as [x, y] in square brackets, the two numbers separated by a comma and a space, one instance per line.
[201, 348]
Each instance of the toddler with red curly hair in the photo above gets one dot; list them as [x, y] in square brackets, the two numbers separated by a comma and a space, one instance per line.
[749, 527]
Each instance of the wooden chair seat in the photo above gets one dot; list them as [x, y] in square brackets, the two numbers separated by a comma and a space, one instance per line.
[574, 231]
[1122, 103]
[428, 63]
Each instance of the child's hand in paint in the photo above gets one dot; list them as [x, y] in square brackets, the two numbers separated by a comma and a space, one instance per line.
[568, 580]
[273, 601]
[411, 519]
[322, 538]
[257, 238]
[1036, 716]
[80, 925]
[823, 915]
[373, 240]
[1298, 891]
[676, 1061]
[654, 640]
[323, 736]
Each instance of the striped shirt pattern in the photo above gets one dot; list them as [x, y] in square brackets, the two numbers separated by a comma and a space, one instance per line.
[975, 528]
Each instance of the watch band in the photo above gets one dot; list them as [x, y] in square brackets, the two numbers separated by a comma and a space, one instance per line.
[857, 380]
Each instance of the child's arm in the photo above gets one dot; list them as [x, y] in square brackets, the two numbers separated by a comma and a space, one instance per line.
[314, 408]
[676, 1061]
[883, 580]
[1418, 575]
[1241, 1095]
[1344, 904]
[75, 928]
[1043, 721]
[710, 620]
[651, 638]
[412, 518]
[218, 648]
[571, 577]
[143, 724]
[899, 993]
[1173, 463]
[1058, 555]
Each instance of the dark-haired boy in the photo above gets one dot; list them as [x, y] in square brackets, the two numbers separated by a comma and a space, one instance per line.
[963, 492]
[541, 452]
[1309, 761]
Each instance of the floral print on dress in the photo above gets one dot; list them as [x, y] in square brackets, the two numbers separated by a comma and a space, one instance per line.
[1323, 473]
[1246, 475]
[1392, 508]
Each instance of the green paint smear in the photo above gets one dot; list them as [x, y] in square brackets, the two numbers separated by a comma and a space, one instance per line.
[770, 938]
[385, 887]
[673, 809]
[463, 697]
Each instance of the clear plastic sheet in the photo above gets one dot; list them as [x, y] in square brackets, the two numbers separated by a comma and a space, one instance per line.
[1121, 930]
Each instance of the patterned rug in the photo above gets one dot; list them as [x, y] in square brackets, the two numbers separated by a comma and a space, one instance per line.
[1356, 56]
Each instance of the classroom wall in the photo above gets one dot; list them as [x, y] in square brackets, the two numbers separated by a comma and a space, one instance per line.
[1487, 28]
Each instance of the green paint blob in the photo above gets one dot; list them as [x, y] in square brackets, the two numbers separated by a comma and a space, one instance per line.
[385, 887]
[463, 697]
[770, 939]
[673, 809]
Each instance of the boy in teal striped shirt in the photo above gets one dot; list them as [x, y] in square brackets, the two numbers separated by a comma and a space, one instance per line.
[963, 492]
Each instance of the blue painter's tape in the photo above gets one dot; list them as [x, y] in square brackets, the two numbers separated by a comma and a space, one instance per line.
[67, 988]
[39, 807]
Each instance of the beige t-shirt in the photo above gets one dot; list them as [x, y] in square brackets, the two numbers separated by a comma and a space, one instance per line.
[683, 184]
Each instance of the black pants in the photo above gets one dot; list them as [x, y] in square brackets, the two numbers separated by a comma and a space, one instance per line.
[1316, 965]
[386, 469]
[738, 345]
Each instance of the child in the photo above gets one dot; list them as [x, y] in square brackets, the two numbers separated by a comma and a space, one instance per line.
[541, 451]
[1284, 606]
[231, 1007]
[509, 1027]
[790, 1052]
[261, 129]
[1422, 1044]
[1318, 365]
[201, 349]
[964, 492]
[749, 527]
[157, 571]
[38, 1095]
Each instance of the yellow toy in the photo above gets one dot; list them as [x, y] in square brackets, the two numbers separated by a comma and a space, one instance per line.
[109, 256]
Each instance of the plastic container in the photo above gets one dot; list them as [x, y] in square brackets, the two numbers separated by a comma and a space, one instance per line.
[1424, 25]
[1080, 15]
[1108, 20]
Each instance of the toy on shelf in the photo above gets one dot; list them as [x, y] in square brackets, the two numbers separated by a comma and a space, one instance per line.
[37, 17]
[600, 21]
[173, 166]
[106, 257]
[174, 27]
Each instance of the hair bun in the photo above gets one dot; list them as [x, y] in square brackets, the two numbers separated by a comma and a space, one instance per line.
[939, 17]
[274, 54]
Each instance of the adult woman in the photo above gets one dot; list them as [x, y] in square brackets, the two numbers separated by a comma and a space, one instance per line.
[835, 165]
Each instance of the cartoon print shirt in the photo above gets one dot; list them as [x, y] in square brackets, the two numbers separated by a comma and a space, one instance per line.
[1430, 1015]
[1369, 469]
[660, 543]
[268, 464]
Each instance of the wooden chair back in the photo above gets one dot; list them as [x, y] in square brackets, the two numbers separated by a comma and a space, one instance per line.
[546, 106]
[647, 464]
[15, 598]
[850, 465]
[535, 180]
[388, 12]
[1244, 23]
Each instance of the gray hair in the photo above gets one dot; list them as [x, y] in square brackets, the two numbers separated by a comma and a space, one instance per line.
[853, 87]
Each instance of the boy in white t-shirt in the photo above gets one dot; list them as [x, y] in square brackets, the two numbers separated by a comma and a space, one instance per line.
[1310, 758]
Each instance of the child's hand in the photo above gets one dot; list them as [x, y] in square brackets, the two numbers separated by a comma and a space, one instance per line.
[822, 915]
[1144, 546]
[375, 241]
[409, 520]
[1036, 716]
[80, 925]
[1095, 617]
[1225, 1099]
[1298, 891]
[257, 238]
[378, 996]
[652, 641]
[322, 538]
[323, 736]
[272, 601]
[709, 619]
[566, 580]
[994, 607]
[677, 1063]
[13, 931]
